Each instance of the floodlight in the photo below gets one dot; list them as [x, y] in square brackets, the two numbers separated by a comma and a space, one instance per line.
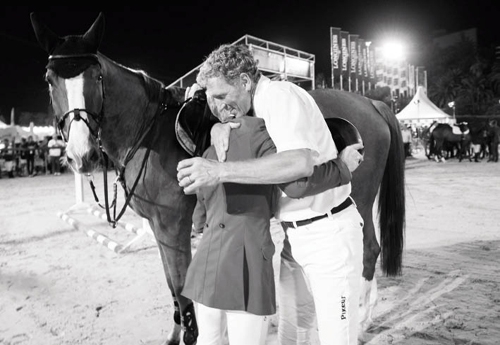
[393, 50]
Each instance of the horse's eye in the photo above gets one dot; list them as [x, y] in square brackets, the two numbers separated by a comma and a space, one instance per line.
[99, 78]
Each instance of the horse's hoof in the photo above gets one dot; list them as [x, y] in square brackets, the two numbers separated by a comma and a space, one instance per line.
[190, 325]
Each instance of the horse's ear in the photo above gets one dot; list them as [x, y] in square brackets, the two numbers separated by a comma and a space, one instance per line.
[47, 39]
[94, 35]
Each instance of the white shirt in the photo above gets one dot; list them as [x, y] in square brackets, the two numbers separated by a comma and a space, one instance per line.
[55, 146]
[294, 121]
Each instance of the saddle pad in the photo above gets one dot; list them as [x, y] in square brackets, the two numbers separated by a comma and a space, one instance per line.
[456, 130]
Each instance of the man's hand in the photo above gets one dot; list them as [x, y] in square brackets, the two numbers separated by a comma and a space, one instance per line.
[220, 138]
[197, 172]
[351, 157]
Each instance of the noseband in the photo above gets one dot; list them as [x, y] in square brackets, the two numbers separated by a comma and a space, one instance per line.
[77, 117]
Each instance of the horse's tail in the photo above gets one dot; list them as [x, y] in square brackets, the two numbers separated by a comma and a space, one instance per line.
[391, 203]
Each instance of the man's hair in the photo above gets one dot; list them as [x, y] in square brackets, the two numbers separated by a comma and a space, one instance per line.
[228, 61]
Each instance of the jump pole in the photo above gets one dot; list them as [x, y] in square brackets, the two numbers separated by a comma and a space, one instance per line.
[127, 226]
[139, 232]
[102, 239]
[101, 215]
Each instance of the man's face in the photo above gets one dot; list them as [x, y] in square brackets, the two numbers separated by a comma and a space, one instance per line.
[229, 101]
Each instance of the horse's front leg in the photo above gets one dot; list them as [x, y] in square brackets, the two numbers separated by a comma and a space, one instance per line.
[175, 251]
[184, 316]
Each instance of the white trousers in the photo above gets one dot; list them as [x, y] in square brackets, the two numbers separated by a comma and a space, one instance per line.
[242, 328]
[320, 275]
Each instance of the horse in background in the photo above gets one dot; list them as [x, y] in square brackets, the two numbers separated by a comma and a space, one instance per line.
[444, 134]
[105, 109]
[480, 141]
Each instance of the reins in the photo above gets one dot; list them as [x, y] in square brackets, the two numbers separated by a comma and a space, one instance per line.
[121, 173]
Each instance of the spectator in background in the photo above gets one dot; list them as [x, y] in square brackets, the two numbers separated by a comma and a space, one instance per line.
[43, 154]
[7, 155]
[56, 146]
[406, 134]
[22, 157]
[31, 151]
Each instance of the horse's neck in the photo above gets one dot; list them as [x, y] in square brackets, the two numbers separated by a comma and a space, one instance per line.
[127, 109]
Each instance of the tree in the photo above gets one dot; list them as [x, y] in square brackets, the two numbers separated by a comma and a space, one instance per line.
[463, 73]
[474, 93]
[445, 87]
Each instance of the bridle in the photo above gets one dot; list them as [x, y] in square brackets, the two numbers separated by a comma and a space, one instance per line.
[97, 118]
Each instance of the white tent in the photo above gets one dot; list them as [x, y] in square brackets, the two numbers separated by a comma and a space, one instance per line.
[17, 132]
[13, 133]
[422, 111]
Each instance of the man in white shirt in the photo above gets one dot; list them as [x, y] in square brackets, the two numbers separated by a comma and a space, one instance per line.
[322, 257]
[56, 146]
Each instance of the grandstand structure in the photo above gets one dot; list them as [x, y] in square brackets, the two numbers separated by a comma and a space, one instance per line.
[276, 61]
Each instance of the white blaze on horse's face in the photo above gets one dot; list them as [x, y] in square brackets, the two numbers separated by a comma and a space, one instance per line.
[78, 141]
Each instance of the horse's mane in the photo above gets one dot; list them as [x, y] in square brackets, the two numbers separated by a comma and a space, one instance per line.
[151, 85]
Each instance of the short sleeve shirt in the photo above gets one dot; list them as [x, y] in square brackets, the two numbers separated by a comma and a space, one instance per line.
[294, 121]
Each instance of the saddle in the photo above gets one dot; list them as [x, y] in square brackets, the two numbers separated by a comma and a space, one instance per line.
[344, 133]
[193, 123]
[457, 129]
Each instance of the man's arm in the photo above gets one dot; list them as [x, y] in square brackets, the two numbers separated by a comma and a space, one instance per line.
[328, 175]
[271, 169]
[331, 174]
[279, 168]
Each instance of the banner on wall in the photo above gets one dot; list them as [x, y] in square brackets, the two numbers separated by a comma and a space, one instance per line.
[335, 53]
[353, 50]
[353, 67]
[344, 57]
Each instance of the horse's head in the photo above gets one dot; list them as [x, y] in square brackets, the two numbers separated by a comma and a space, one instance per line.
[76, 90]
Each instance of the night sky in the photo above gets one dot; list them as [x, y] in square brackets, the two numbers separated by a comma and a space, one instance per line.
[168, 41]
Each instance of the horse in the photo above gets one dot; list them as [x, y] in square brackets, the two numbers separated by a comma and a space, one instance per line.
[106, 109]
[480, 140]
[443, 135]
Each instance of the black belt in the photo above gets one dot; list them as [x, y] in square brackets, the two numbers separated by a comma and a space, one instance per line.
[345, 204]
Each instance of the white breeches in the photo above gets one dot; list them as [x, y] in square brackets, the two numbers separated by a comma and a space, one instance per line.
[242, 328]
